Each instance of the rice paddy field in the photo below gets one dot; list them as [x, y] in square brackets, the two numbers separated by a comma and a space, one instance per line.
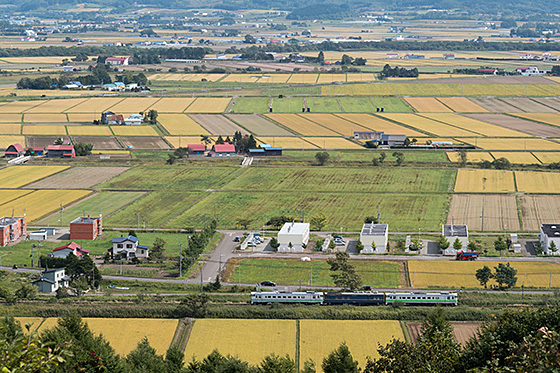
[44, 130]
[181, 124]
[472, 157]
[484, 181]
[427, 125]
[376, 123]
[461, 105]
[208, 105]
[89, 131]
[523, 144]
[517, 157]
[427, 105]
[484, 212]
[17, 176]
[537, 182]
[133, 131]
[301, 125]
[473, 125]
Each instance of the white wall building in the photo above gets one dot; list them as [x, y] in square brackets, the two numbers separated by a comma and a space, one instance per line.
[453, 232]
[374, 233]
[296, 234]
[550, 233]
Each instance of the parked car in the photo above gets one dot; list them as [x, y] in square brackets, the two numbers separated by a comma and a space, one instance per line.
[366, 288]
[339, 242]
[268, 283]
[237, 239]
[251, 244]
[337, 236]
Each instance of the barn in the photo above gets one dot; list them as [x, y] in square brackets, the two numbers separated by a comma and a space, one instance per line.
[14, 151]
[61, 151]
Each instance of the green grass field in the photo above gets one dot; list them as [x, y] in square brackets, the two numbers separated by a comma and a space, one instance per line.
[170, 178]
[392, 104]
[154, 210]
[287, 105]
[251, 105]
[288, 271]
[323, 105]
[357, 105]
[368, 155]
[105, 203]
[379, 179]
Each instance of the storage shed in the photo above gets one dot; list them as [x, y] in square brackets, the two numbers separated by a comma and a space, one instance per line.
[293, 236]
[453, 232]
[374, 234]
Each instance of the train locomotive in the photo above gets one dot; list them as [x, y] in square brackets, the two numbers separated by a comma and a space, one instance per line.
[359, 298]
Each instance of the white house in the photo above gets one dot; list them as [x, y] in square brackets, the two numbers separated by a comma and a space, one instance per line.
[128, 248]
[452, 232]
[374, 234]
[121, 61]
[51, 280]
[550, 233]
[292, 237]
[133, 120]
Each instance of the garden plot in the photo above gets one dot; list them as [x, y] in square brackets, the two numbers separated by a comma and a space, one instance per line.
[527, 105]
[484, 181]
[517, 157]
[258, 125]
[533, 128]
[78, 178]
[428, 125]
[95, 105]
[427, 105]
[287, 142]
[535, 210]
[7, 140]
[89, 131]
[512, 144]
[143, 142]
[473, 125]
[208, 105]
[335, 123]
[99, 142]
[172, 104]
[181, 124]
[496, 105]
[537, 182]
[301, 125]
[376, 123]
[56, 106]
[217, 124]
[462, 105]
[494, 211]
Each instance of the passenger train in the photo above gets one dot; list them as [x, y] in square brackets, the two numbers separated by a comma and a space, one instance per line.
[361, 298]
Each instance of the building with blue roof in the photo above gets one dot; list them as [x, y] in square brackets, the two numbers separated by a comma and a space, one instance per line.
[128, 248]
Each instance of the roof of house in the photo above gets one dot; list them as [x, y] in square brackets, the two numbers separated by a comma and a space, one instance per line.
[294, 228]
[36, 148]
[551, 230]
[72, 246]
[370, 229]
[224, 148]
[116, 58]
[5, 221]
[143, 247]
[17, 146]
[117, 117]
[60, 147]
[455, 230]
[123, 239]
[43, 280]
[54, 270]
[257, 151]
[197, 147]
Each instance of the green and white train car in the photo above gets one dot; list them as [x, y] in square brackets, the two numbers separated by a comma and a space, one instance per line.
[269, 297]
[421, 299]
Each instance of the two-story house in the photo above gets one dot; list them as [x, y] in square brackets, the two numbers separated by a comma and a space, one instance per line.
[51, 280]
[128, 248]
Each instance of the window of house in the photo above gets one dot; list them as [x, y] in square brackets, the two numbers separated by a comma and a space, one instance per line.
[120, 245]
[129, 245]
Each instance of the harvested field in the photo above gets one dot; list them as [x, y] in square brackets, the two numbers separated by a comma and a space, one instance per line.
[301, 125]
[181, 124]
[45, 140]
[17, 176]
[535, 129]
[143, 142]
[133, 105]
[249, 340]
[496, 105]
[335, 123]
[319, 337]
[538, 209]
[287, 142]
[7, 140]
[95, 105]
[484, 181]
[527, 105]
[133, 131]
[44, 130]
[10, 129]
[376, 123]
[83, 118]
[548, 118]
[10, 118]
[172, 104]
[473, 125]
[462, 105]
[512, 144]
[99, 142]
[472, 157]
[547, 157]
[217, 124]
[494, 211]
[517, 157]
[89, 131]
[78, 178]
[333, 143]
[537, 182]
[56, 106]
[19, 106]
[303, 78]
[427, 105]
[208, 105]
[258, 125]
[428, 125]
[552, 102]
[44, 118]
[462, 331]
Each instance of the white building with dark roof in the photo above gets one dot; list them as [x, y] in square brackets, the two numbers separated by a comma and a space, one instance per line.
[550, 233]
[453, 232]
[374, 234]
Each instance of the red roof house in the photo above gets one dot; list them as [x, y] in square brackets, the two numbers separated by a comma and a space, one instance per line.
[72, 247]
[117, 60]
[196, 148]
[222, 150]
[61, 151]
[14, 150]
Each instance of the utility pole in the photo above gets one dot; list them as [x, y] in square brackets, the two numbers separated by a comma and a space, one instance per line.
[61, 208]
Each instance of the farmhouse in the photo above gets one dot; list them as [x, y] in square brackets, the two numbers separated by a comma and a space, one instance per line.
[51, 280]
[374, 238]
[529, 71]
[392, 56]
[448, 56]
[550, 238]
[128, 248]
[86, 228]
[452, 232]
[11, 229]
[293, 236]
[222, 150]
[389, 140]
[133, 120]
[265, 150]
[368, 135]
[72, 247]
[61, 151]
[196, 149]
[118, 61]
[14, 151]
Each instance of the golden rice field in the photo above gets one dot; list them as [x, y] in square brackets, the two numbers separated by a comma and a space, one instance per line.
[472, 157]
[83, 118]
[512, 144]
[95, 105]
[547, 157]
[335, 123]
[428, 125]
[115, 152]
[361, 77]
[427, 105]
[133, 131]
[319, 337]
[454, 275]
[89, 131]
[18, 106]
[329, 78]
[499, 210]
[303, 78]
[287, 142]
[250, 340]
[332, 143]
[181, 124]
[172, 104]
[10, 118]
[56, 106]
[44, 118]
[548, 118]
[187, 77]
[473, 125]
[133, 105]
[376, 123]
[7, 140]
[484, 181]
[238, 78]
[17, 176]
[44, 130]
[41, 202]
[517, 157]
[462, 105]
[182, 141]
[537, 182]
[10, 129]
[274, 78]
[7, 195]
[301, 125]
[208, 105]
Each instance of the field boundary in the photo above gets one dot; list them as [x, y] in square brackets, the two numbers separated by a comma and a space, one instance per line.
[182, 334]
[298, 344]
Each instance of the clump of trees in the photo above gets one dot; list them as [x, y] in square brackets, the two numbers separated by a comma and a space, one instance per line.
[498, 164]
[504, 275]
[83, 149]
[396, 71]
[197, 243]
[343, 272]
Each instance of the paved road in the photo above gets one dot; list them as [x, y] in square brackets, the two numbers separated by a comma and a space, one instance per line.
[219, 257]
